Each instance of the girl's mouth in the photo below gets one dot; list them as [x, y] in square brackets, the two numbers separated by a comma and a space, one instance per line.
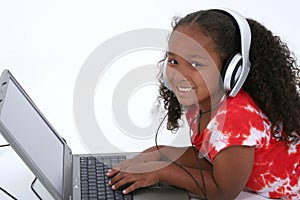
[184, 89]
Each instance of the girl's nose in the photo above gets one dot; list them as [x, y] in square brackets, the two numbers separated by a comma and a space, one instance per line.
[177, 73]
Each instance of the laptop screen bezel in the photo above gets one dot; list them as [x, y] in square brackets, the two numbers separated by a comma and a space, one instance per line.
[5, 80]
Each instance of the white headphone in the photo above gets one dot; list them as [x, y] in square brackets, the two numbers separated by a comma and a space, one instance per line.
[238, 66]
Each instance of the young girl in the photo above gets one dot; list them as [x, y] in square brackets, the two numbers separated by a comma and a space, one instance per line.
[249, 140]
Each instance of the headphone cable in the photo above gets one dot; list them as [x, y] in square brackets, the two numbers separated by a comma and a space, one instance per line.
[191, 139]
[177, 164]
[194, 149]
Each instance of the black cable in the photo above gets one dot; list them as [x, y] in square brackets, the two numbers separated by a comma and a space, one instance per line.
[194, 150]
[194, 147]
[4, 145]
[3, 190]
[8, 194]
[178, 165]
[35, 192]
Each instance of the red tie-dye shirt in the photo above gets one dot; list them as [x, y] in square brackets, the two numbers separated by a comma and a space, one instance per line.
[238, 121]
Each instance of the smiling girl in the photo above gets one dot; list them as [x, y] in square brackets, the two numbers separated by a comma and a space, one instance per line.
[246, 140]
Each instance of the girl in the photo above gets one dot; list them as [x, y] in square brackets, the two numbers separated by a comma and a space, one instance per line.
[250, 140]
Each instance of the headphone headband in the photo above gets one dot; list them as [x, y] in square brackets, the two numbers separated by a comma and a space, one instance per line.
[232, 83]
[245, 32]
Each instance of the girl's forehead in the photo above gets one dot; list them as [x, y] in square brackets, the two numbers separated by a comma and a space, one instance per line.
[185, 41]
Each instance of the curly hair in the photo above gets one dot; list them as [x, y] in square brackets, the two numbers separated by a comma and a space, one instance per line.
[273, 81]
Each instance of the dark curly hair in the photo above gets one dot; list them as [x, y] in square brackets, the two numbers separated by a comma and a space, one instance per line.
[273, 81]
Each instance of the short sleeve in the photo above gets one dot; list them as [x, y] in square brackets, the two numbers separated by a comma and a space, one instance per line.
[238, 124]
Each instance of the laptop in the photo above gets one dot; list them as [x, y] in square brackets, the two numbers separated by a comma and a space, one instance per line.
[51, 160]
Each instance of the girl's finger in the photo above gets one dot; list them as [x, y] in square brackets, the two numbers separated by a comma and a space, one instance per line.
[131, 188]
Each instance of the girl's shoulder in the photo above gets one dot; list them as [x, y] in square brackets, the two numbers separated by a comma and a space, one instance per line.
[241, 101]
[241, 114]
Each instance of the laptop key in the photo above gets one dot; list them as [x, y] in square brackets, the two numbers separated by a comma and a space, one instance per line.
[128, 197]
[95, 183]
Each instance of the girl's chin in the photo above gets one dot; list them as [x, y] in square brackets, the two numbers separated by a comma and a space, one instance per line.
[187, 102]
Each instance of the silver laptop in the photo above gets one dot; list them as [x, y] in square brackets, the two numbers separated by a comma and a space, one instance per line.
[50, 159]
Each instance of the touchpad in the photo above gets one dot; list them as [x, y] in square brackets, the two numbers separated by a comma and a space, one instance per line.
[160, 194]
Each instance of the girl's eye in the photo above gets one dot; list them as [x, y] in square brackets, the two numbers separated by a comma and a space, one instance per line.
[172, 62]
[196, 65]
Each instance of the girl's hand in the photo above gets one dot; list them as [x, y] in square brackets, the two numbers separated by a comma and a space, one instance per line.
[139, 159]
[137, 176]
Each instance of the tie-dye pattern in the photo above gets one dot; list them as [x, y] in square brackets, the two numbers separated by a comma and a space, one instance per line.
[238, 121]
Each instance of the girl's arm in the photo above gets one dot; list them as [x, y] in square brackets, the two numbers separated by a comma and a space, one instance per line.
[185, 156]
[229, 176]
[226, 180]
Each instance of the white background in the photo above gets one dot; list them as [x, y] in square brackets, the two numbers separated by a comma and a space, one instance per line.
[45, 43]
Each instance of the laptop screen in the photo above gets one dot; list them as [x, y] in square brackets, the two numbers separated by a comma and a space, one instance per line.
[33, 135]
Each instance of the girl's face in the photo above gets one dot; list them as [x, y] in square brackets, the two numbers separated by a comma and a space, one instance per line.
[193, 68]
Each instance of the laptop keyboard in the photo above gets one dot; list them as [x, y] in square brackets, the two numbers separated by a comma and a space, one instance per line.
[94, 182]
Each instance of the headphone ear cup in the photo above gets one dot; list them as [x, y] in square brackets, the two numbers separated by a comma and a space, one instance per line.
[164, 73]
[232, 71]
